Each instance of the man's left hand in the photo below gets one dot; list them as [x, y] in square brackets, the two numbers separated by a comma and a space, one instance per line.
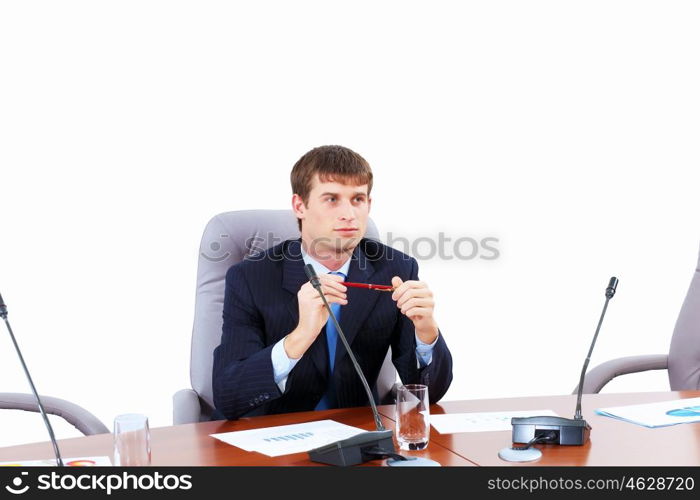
[415, 300]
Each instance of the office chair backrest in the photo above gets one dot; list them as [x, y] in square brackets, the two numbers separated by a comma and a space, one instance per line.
[684, 354]
[228, 238]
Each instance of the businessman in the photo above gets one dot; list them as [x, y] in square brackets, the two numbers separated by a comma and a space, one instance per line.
[279, 351]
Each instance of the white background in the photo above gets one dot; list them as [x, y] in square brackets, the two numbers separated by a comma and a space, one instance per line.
[567, 130]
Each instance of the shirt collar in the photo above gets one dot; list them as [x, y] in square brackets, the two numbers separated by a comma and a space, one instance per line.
[320, 268]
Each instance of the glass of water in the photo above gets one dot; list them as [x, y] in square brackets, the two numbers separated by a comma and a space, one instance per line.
[412, 417]
[132, 440]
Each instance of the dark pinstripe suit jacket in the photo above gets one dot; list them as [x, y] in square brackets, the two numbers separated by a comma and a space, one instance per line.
[261, 307]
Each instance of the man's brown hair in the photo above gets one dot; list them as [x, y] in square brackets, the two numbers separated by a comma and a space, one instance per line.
[331, 163]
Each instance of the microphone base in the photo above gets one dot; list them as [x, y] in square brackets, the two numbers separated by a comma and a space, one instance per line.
[568, 431]
[356, 449]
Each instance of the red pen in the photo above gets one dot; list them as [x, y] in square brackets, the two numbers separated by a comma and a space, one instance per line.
[370, 286]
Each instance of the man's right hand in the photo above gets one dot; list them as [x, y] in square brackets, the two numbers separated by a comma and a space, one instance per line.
[313, 314]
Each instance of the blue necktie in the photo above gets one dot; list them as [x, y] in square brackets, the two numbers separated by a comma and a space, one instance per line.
[329, 399]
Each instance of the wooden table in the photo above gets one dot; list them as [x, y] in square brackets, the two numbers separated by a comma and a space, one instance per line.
[612, 442]
[191, 444]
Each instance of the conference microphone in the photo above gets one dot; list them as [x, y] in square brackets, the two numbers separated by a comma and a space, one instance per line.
[3, 315]
[367, 445]
[556, 430]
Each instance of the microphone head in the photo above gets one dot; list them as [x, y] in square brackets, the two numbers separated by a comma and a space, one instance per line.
[311, 274]
[612, 286]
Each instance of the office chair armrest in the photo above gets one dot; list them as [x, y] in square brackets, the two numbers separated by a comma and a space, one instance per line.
[78, 417]
[186, 407]
[605, 372]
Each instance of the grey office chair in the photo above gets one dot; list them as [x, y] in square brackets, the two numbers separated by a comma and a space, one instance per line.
[78, 417]
[682, 360]
[227, 239]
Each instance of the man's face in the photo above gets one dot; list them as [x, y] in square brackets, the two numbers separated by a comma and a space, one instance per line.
[335, 217]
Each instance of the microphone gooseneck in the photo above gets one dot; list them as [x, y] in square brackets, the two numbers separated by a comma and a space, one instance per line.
[3, 315]
[316, 283]
[609, 294]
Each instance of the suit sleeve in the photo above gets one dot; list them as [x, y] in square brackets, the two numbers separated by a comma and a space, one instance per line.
[243, 375]
[438, 374]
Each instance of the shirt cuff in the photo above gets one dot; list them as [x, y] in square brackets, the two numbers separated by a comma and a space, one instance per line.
[281, 364]
[424, 352]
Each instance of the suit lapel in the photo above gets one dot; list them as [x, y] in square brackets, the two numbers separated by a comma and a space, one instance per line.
[293, 277]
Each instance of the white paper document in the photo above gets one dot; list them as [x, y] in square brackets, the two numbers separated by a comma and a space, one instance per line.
[481, 422]
[677, 411]
[287, 439]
